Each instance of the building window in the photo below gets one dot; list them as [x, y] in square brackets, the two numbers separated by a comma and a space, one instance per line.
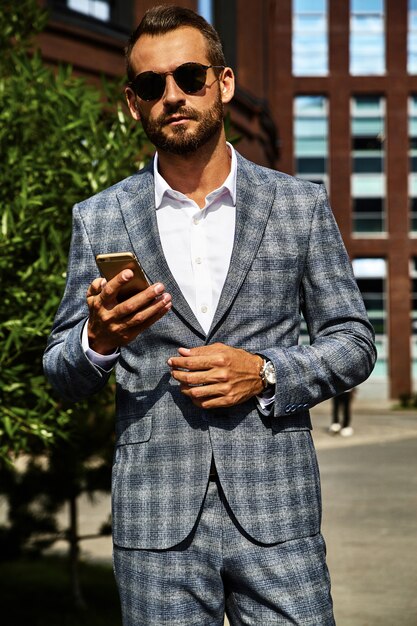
[310, 150]
[413, 278]
[367, 37]
[109, 17]
[412, 36]
[205, 9]
[309, 44]
[412, 178]
[99, 9]
[368, 164]
[371, 275]
[311, 137]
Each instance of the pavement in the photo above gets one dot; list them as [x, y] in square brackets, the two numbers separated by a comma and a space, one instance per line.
[369, 485]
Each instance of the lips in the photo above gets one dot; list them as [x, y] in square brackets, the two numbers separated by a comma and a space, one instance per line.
[178, 116]
[176, 119]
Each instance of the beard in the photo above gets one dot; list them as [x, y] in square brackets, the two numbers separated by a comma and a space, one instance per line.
[182, 141]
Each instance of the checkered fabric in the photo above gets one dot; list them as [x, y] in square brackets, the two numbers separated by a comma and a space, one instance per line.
[219, 568]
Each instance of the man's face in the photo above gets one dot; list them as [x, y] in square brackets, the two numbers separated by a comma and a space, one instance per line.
[177, 123]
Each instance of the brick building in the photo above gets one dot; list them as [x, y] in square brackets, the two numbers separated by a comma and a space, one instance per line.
[338, 79]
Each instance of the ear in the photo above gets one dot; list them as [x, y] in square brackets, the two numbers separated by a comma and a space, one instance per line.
[132, 103]
[227, 85]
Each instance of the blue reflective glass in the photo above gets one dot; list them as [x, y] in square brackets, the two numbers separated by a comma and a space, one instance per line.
[309, 6]
[368, 165]
[412, 64]
[310, 104]
[309, 56]
[307, 43]
[413, 127]
[367, 127]
[412, 5]
[367, 57]
[367, 25]
[311, 165]
[310, 127]
[311, 146]
[314, 24]
[99, 9]
[367, 6]
[205, 9]
[368, 45]
[373, 104]
[310, 67]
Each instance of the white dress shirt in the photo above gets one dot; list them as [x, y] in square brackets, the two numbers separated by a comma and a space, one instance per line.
[198, 243]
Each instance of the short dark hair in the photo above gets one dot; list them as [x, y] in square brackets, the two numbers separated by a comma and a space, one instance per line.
[164, 18]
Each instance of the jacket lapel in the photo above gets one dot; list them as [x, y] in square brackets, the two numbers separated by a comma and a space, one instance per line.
[137, 206]
[254, 198]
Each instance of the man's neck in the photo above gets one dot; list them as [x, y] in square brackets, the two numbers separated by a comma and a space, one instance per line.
[196, 174]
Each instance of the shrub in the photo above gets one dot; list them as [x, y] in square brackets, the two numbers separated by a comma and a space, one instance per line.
[61, 140]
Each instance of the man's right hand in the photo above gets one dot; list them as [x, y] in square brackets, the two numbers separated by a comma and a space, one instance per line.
[113, 324]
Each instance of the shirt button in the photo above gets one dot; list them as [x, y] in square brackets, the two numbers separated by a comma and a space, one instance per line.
[204, 308]
[198, 260]
[196, 221]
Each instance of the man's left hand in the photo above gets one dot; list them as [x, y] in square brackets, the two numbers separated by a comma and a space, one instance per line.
[217, 375]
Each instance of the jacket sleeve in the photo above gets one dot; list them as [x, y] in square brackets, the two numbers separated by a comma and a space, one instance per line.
[66, 365]
[341, 353]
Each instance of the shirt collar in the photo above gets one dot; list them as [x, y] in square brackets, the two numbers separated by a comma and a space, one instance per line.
[162, 189]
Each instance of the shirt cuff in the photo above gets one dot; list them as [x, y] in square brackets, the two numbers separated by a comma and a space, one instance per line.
[104, 361]
[266, 400]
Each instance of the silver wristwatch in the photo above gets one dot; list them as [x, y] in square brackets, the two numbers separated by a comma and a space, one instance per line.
[267, 374]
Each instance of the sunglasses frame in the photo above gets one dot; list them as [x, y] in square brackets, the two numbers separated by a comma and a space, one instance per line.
[163, 76]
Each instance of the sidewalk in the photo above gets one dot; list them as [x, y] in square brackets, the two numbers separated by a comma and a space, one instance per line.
[369, 484]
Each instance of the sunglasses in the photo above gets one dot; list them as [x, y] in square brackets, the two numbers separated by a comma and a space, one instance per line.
[190, 78]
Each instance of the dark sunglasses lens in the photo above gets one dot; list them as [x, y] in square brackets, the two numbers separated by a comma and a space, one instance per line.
[190, 77]
[149, 85]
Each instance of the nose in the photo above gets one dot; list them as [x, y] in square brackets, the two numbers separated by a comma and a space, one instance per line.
[172, 94]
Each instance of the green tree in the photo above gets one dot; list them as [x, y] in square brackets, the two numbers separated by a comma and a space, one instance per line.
[61, 140]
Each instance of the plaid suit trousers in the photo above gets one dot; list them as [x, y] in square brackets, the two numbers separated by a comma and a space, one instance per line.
[219, 569]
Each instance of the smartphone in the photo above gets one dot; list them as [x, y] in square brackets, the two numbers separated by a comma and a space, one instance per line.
[112, 264]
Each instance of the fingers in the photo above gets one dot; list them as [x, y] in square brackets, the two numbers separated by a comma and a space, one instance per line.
[216, 375]
[96, 287]
[113, 324]
[201, 358]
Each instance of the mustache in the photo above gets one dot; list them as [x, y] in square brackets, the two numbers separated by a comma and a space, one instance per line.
[189, 112]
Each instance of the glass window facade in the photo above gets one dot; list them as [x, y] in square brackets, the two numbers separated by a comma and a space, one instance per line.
[370, 274]
[311, 137]
[368, 182]
[367, 37]
[412, 147]
[99, 9]
[412, 36]
[310, 40]
[311, 149]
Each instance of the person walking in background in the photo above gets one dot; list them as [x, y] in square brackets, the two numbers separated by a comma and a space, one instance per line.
[215, 490]
[342, 404]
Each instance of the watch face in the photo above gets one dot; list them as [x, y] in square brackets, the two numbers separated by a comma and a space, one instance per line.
[270, 373]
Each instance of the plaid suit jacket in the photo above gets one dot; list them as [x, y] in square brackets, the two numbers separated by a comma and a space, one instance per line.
[288, 258]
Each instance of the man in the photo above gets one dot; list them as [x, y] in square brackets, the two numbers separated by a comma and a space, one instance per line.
[216, 496]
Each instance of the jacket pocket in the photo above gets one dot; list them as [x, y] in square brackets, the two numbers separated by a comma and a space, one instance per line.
[133, 430]
[274, 263]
